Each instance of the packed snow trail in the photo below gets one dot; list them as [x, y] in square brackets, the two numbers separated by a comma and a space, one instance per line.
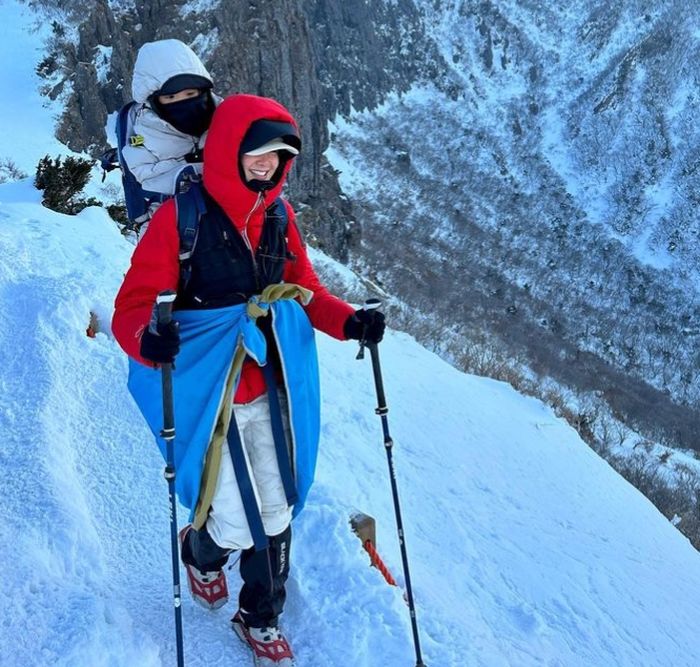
[525, 548]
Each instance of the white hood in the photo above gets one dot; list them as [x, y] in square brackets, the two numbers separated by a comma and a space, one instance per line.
[156, 62]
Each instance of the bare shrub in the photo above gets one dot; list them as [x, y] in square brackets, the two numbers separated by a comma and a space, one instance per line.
[9, 171]
[678, 501]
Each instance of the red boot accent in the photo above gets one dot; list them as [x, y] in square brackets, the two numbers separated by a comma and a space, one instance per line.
[269, 646]
[208, 589]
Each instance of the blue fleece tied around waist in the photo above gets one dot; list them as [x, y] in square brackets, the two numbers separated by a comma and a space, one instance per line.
[209, 339]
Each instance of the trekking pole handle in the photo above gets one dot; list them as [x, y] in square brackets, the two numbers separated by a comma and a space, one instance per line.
[163, 314]
[369, 304]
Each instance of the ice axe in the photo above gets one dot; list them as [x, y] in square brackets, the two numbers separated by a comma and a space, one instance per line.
[364, 526]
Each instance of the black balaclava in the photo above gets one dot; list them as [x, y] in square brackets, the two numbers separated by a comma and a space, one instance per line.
[191, 116]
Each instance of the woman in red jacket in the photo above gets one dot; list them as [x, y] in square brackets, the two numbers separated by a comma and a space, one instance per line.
[251, 146]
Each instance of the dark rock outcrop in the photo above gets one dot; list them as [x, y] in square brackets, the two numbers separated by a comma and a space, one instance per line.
[318, 57]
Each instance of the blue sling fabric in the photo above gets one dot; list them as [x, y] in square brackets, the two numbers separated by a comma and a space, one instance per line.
[280, 440]
[209, 339]
[297, 345]
[245, 486]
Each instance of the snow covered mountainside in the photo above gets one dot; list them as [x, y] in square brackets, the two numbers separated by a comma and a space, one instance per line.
[525, 547]
[540, 197]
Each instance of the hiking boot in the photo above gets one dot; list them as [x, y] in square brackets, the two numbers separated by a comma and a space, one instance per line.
[208, 589]
[270, 648]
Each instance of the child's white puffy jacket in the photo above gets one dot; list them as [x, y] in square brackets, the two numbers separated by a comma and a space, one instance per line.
[157, 159]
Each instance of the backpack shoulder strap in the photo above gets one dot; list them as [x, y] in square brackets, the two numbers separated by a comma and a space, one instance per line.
[277, 211]
[190, 206]
[279, 214]
[122, 126]
[282, 211]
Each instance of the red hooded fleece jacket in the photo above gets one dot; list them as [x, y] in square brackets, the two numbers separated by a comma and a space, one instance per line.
[155, 265]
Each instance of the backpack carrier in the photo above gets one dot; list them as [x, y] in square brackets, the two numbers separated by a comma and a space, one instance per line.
[191, 205]
[139, 201]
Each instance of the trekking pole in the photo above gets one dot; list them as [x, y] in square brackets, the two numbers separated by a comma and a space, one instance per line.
[164, 309]
[382, 411]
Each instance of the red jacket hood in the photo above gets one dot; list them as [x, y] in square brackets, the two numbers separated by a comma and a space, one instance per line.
[222, 177]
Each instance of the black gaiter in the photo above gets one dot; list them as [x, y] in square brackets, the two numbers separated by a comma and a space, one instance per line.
[191, 116]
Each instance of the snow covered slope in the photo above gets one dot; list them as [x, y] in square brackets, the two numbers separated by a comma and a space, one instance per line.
[543, 186]
[525, 547]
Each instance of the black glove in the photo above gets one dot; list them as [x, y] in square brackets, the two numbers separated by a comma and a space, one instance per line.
[365, 325]
[161, 347]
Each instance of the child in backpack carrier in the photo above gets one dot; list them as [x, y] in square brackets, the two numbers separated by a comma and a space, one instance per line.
[166, 127]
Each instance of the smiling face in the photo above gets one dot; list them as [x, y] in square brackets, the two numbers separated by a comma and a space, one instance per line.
[179, 96]
[260, 167]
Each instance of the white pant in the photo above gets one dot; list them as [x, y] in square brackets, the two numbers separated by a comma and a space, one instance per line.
[227, 522]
